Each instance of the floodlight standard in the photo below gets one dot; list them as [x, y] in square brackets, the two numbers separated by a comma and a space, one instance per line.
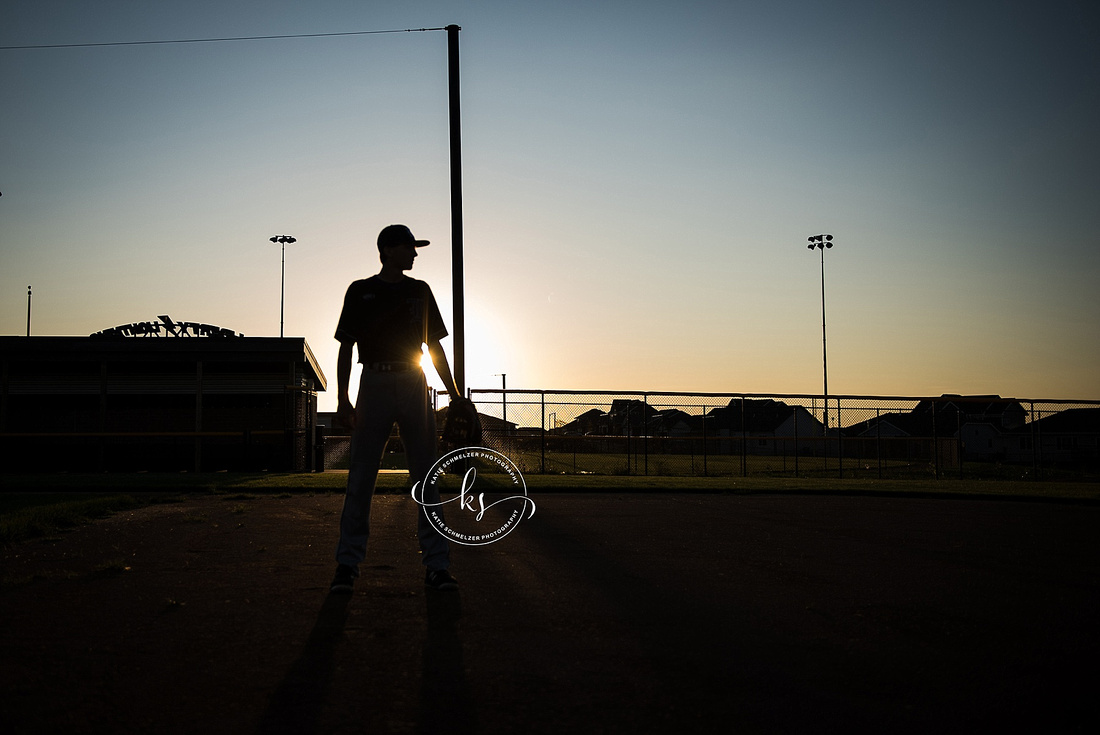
[282, 240]
[822, 242]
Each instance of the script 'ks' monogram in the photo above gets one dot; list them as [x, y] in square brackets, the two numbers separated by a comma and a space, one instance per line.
[474, 505]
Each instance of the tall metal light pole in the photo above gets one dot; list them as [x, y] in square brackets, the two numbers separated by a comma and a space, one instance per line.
[28, 311]
[454, 99]
[282, 240]
[822, 242]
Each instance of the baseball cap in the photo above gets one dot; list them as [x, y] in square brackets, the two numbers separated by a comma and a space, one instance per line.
[397, 235]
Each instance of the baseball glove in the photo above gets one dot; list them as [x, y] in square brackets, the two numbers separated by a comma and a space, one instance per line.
[462, 426]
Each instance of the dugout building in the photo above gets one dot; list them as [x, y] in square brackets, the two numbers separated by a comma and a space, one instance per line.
[158, 396]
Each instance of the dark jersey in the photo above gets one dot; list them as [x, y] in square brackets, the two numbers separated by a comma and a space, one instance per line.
[389, 321]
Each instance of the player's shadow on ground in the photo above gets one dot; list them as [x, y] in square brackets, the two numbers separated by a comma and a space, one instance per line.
[295, 706]
[446, 704]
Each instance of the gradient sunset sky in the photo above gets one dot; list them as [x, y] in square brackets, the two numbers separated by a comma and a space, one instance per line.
[640, 179]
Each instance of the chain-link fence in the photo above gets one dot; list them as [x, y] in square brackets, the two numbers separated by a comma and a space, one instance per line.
[599, 432]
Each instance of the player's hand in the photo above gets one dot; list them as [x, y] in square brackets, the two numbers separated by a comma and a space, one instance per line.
[345, 416]
[463, 425]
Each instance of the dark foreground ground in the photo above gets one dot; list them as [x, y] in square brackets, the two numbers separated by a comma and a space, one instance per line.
[601, 614]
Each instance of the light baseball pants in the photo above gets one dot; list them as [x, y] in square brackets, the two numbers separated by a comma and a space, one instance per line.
[386, 398]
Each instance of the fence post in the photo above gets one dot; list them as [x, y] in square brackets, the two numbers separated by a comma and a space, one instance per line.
[1031, 433]
[704, 440]
[1036, 443]
[959, 438]
[878, 439]
[542, 399]
[744, 442]
[935, 445]
[796, 452]
[318, 449]
[631, 462]
[645, 433]
[839, 443]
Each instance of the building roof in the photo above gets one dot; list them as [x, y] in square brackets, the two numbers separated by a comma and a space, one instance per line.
[986, 407]
[1071, 421]
[759, 414]
[145, 350]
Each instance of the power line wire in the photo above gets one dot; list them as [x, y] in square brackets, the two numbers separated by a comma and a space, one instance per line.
[213, 40]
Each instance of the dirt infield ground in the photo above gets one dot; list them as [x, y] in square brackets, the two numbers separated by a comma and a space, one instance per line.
[602, 614]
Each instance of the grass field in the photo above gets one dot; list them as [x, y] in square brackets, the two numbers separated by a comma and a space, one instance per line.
[551, 461]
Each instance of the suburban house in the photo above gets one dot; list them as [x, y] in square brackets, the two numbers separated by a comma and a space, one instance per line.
[591, 422]
[769, 426]
[982, 428]
[1069, 437]
[626, 417]
[670, 422]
